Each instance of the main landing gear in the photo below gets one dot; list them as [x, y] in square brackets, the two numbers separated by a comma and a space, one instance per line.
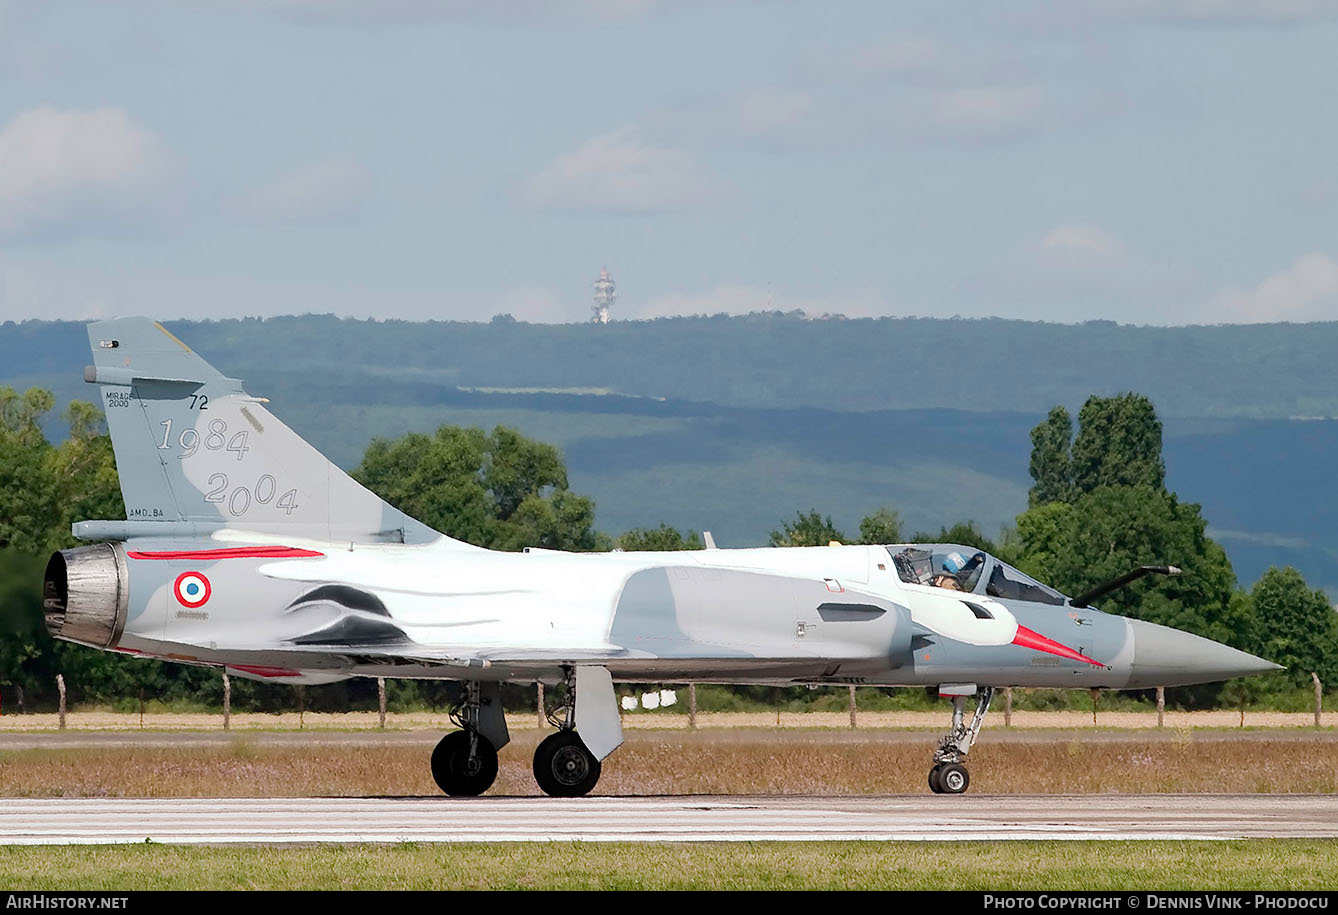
[464, 763]
[949, 775]
[566, 764]
[563, 765]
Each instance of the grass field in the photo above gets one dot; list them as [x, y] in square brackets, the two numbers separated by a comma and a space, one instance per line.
[1260, 864]
[723, 762]
[933, 720]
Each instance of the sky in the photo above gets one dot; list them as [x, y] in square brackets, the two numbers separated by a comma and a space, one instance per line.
[1141, 161]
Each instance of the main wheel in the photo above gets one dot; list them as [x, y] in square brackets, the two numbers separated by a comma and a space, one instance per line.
[953, 778]
[563, 766]
[458, 775]
[934, 784]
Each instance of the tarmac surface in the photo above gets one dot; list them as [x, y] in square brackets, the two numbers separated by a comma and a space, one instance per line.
[51, 821]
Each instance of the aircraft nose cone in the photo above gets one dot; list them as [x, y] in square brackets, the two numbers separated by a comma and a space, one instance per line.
[1171, 657]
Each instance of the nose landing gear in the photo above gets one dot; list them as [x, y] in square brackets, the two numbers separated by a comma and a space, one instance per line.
[949, 774]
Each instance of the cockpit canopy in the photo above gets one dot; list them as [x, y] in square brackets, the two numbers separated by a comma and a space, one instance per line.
[964, 568]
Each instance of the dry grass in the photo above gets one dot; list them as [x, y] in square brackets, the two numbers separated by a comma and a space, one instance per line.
[1242, 865]
[931, 720]
[703, 762]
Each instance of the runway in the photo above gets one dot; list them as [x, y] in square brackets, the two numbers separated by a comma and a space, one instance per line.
[29, 821]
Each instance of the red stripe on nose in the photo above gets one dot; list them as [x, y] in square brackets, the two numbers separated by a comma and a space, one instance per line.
[1029, 639]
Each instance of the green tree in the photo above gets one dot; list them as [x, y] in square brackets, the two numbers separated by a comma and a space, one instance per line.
[43, 488]
[84, 469]
[967, 533]
[1295, 626]
[881, 527]
[807, 530]
[499, 490]
[560, 520]
[26, 647]
[662, 538]
[29, 498]
[1118, 444]
[1109, 531]
[1050, 461]
[1041, 539]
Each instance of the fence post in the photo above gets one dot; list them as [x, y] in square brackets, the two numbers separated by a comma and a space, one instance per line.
[1096, 693]
[540, 717]
[141, 708]
[1319, 697]
[60, 688]
[227, 701]
[301, 707]
[1008, 706]
[381, 702]
[1161, 705]
[692, 706]
[852, 705]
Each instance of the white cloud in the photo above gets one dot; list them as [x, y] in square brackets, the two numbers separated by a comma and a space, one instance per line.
[397, 11]
[1087, 241]
[1226, 11]
[1079, 271]
[839, 116]
[898, 56]
[73, 171]
[1307, 290]
[621, 172]
[985, 112]
[333, 190]
[52, 288]
[764, 111]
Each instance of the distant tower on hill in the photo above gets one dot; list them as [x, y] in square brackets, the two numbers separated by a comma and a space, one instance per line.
[606, 293]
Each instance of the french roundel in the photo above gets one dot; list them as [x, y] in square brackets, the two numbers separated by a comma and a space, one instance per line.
[191, 589]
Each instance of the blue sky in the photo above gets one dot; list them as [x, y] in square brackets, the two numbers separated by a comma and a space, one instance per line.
[1163, 162]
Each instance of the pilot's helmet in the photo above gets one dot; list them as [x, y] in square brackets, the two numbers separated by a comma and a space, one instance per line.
[953, 562]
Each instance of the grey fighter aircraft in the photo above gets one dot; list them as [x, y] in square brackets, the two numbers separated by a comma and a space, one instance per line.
[245, 549]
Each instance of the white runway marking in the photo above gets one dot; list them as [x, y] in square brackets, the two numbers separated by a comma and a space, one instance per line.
[29, 821]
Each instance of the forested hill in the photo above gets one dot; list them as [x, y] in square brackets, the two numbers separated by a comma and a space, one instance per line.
[755, 421]
[773, 360]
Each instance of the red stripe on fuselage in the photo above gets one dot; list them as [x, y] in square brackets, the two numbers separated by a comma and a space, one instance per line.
[1029, 639]
[266, 671]
[237, 552]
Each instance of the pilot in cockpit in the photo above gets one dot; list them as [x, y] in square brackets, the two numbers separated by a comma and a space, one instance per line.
[959, 573]
[947, 577]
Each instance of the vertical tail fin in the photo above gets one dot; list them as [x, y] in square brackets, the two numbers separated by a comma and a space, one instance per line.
[192, 446]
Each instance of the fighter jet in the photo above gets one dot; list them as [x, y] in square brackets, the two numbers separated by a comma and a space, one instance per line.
[245, 549]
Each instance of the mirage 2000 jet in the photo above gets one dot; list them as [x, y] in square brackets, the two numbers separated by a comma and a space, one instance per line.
[245, 549]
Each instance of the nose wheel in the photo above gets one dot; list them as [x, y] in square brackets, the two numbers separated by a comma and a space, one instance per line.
[949, 778]
[949, 775]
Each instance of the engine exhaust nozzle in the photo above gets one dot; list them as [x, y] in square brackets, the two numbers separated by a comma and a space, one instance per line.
[85, 595]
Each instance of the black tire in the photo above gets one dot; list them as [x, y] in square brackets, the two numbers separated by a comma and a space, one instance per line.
[953, 778]
[934, 785]
[563, 766]
[455, 773]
